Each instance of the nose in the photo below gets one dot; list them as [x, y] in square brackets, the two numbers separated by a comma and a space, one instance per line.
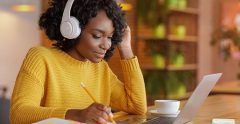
[106, 44]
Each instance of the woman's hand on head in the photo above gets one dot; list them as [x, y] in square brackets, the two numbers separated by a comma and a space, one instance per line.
[94, 114]
[124, 47]
[126, 39]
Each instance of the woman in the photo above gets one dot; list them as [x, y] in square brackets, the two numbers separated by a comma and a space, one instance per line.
[48, 84]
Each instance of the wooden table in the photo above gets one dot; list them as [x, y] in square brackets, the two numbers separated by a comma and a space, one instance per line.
[227, 88]
[217, 106]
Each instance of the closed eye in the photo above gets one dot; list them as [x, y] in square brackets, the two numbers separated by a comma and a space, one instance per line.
[96, 37]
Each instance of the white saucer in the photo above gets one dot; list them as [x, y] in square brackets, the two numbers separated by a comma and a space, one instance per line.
[155, 112]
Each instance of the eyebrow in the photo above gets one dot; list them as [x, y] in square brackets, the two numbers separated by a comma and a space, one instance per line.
[99, 30]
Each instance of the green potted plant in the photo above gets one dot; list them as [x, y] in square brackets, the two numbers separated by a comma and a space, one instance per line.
[158, 54]
[153, 13]
[161, 86]
[177, 83]
[176, 56]
[158, 60]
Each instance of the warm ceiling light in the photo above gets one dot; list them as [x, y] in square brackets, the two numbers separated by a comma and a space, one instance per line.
[125, 6]
[24, 8]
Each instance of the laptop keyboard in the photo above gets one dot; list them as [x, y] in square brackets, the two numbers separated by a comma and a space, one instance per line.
[160, 120]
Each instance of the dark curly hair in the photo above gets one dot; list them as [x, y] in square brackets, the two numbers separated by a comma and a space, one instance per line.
[83, 10]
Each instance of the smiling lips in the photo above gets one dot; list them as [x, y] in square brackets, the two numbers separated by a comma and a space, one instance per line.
[100, 54]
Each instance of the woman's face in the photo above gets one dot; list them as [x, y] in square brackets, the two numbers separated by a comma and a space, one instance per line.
[95, 39]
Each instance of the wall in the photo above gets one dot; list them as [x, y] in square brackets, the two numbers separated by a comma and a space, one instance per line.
[229, 68]
[18, 32]
[205, 29]
[210, 60]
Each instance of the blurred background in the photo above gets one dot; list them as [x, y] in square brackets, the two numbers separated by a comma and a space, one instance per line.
[176, 41]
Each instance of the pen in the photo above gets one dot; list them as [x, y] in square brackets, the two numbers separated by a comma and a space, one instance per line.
[109, 113]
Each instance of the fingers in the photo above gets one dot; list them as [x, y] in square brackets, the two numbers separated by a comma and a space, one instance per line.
[127, 27]
[101, 121]
[99, 113]
[101, 107]
[106, 111]
[94, 122]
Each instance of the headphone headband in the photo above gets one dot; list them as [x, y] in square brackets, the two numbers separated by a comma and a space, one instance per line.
[67, 10]
[70, 27]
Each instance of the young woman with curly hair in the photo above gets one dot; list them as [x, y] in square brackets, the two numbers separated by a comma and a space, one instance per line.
[48, 83]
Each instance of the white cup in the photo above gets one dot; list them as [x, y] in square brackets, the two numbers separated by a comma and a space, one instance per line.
[167, 106]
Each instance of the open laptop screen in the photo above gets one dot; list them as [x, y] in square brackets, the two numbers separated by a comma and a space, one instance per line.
[197, 98]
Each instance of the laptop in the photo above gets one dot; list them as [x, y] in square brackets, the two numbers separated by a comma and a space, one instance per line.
[193, 104]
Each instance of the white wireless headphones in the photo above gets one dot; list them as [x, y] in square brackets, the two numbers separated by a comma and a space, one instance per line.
[70, 27]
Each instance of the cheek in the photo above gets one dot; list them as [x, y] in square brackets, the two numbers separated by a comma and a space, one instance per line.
[89, 44]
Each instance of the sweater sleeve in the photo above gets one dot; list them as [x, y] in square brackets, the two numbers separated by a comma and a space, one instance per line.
[29, 91]
[130, 95]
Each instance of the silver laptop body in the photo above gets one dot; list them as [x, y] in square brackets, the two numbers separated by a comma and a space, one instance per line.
[193, 104]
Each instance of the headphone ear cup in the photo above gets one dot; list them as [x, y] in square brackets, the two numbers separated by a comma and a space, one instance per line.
[70, 29]
[66, 29]
[76, 29]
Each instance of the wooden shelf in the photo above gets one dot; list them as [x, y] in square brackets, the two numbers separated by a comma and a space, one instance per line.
[184, 67]
[185, 39]
[171, 44]
[170, 38]
[171, 67]
[192, 11]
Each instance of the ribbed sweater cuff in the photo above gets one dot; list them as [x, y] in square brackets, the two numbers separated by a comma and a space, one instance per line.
[130, 64]
[59, 113]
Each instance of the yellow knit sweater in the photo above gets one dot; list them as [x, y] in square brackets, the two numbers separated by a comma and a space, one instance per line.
[48, 84]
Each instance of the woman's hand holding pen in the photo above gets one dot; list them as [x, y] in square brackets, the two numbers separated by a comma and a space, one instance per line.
[97, 113]
[94, 114]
